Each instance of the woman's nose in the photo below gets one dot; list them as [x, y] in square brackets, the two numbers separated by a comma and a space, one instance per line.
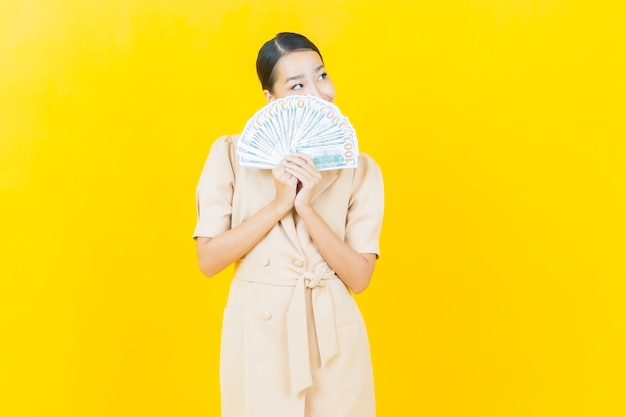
[314, 91]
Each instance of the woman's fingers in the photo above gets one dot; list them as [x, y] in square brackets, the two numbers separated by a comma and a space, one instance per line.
[284, 181]
[302, 160]
[306, 174]
[281, 173]
[285, 185]
[303, 168]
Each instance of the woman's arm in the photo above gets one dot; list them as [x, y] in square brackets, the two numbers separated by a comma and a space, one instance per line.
[355, 269]
[215, 254]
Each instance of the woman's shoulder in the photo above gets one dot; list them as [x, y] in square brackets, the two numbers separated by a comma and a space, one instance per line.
[223, 148]
[367, 169]
[226, 139]
[366, 157]
[367, 161]
[224, 144]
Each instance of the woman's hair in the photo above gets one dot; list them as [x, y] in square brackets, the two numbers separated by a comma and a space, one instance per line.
[274, 49]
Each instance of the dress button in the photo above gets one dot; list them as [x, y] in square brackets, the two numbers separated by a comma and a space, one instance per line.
[266, 315]
[298, 263]
[265, 261]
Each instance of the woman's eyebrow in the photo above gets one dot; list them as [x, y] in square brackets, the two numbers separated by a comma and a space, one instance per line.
[296, 77]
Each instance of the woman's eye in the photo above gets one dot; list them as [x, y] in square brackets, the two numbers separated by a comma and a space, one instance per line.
[297, 87]
[322, 76]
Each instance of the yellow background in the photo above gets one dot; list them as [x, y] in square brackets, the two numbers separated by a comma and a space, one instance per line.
[499, 126]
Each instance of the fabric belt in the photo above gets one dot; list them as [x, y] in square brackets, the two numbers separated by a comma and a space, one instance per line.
[297, 336]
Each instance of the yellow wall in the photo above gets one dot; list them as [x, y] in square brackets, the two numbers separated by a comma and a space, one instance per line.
[499, 125]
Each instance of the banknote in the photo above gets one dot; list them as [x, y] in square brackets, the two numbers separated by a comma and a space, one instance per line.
[335, 156]
[298, 124]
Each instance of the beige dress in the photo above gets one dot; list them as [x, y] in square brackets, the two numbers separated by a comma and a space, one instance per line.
[294, 343]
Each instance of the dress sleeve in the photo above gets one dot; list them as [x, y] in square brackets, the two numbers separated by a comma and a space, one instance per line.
[214, 192]
[365, 211]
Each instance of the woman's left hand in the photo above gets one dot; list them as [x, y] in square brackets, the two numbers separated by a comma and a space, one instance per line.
[302, 167]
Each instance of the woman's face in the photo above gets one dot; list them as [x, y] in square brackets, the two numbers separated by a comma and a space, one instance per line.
[303, 73]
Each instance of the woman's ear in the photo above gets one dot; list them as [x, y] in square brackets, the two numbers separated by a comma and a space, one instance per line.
[268, 95]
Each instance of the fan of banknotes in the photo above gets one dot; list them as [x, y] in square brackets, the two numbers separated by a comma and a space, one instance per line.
[298, 123]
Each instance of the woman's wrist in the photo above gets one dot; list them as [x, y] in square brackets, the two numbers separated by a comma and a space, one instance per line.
[279, 208]
[305, 211]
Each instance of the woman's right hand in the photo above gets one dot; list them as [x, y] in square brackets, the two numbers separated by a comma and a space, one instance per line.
[286, 186]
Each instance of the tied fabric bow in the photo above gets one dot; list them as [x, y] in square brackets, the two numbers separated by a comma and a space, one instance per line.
[297, 335]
